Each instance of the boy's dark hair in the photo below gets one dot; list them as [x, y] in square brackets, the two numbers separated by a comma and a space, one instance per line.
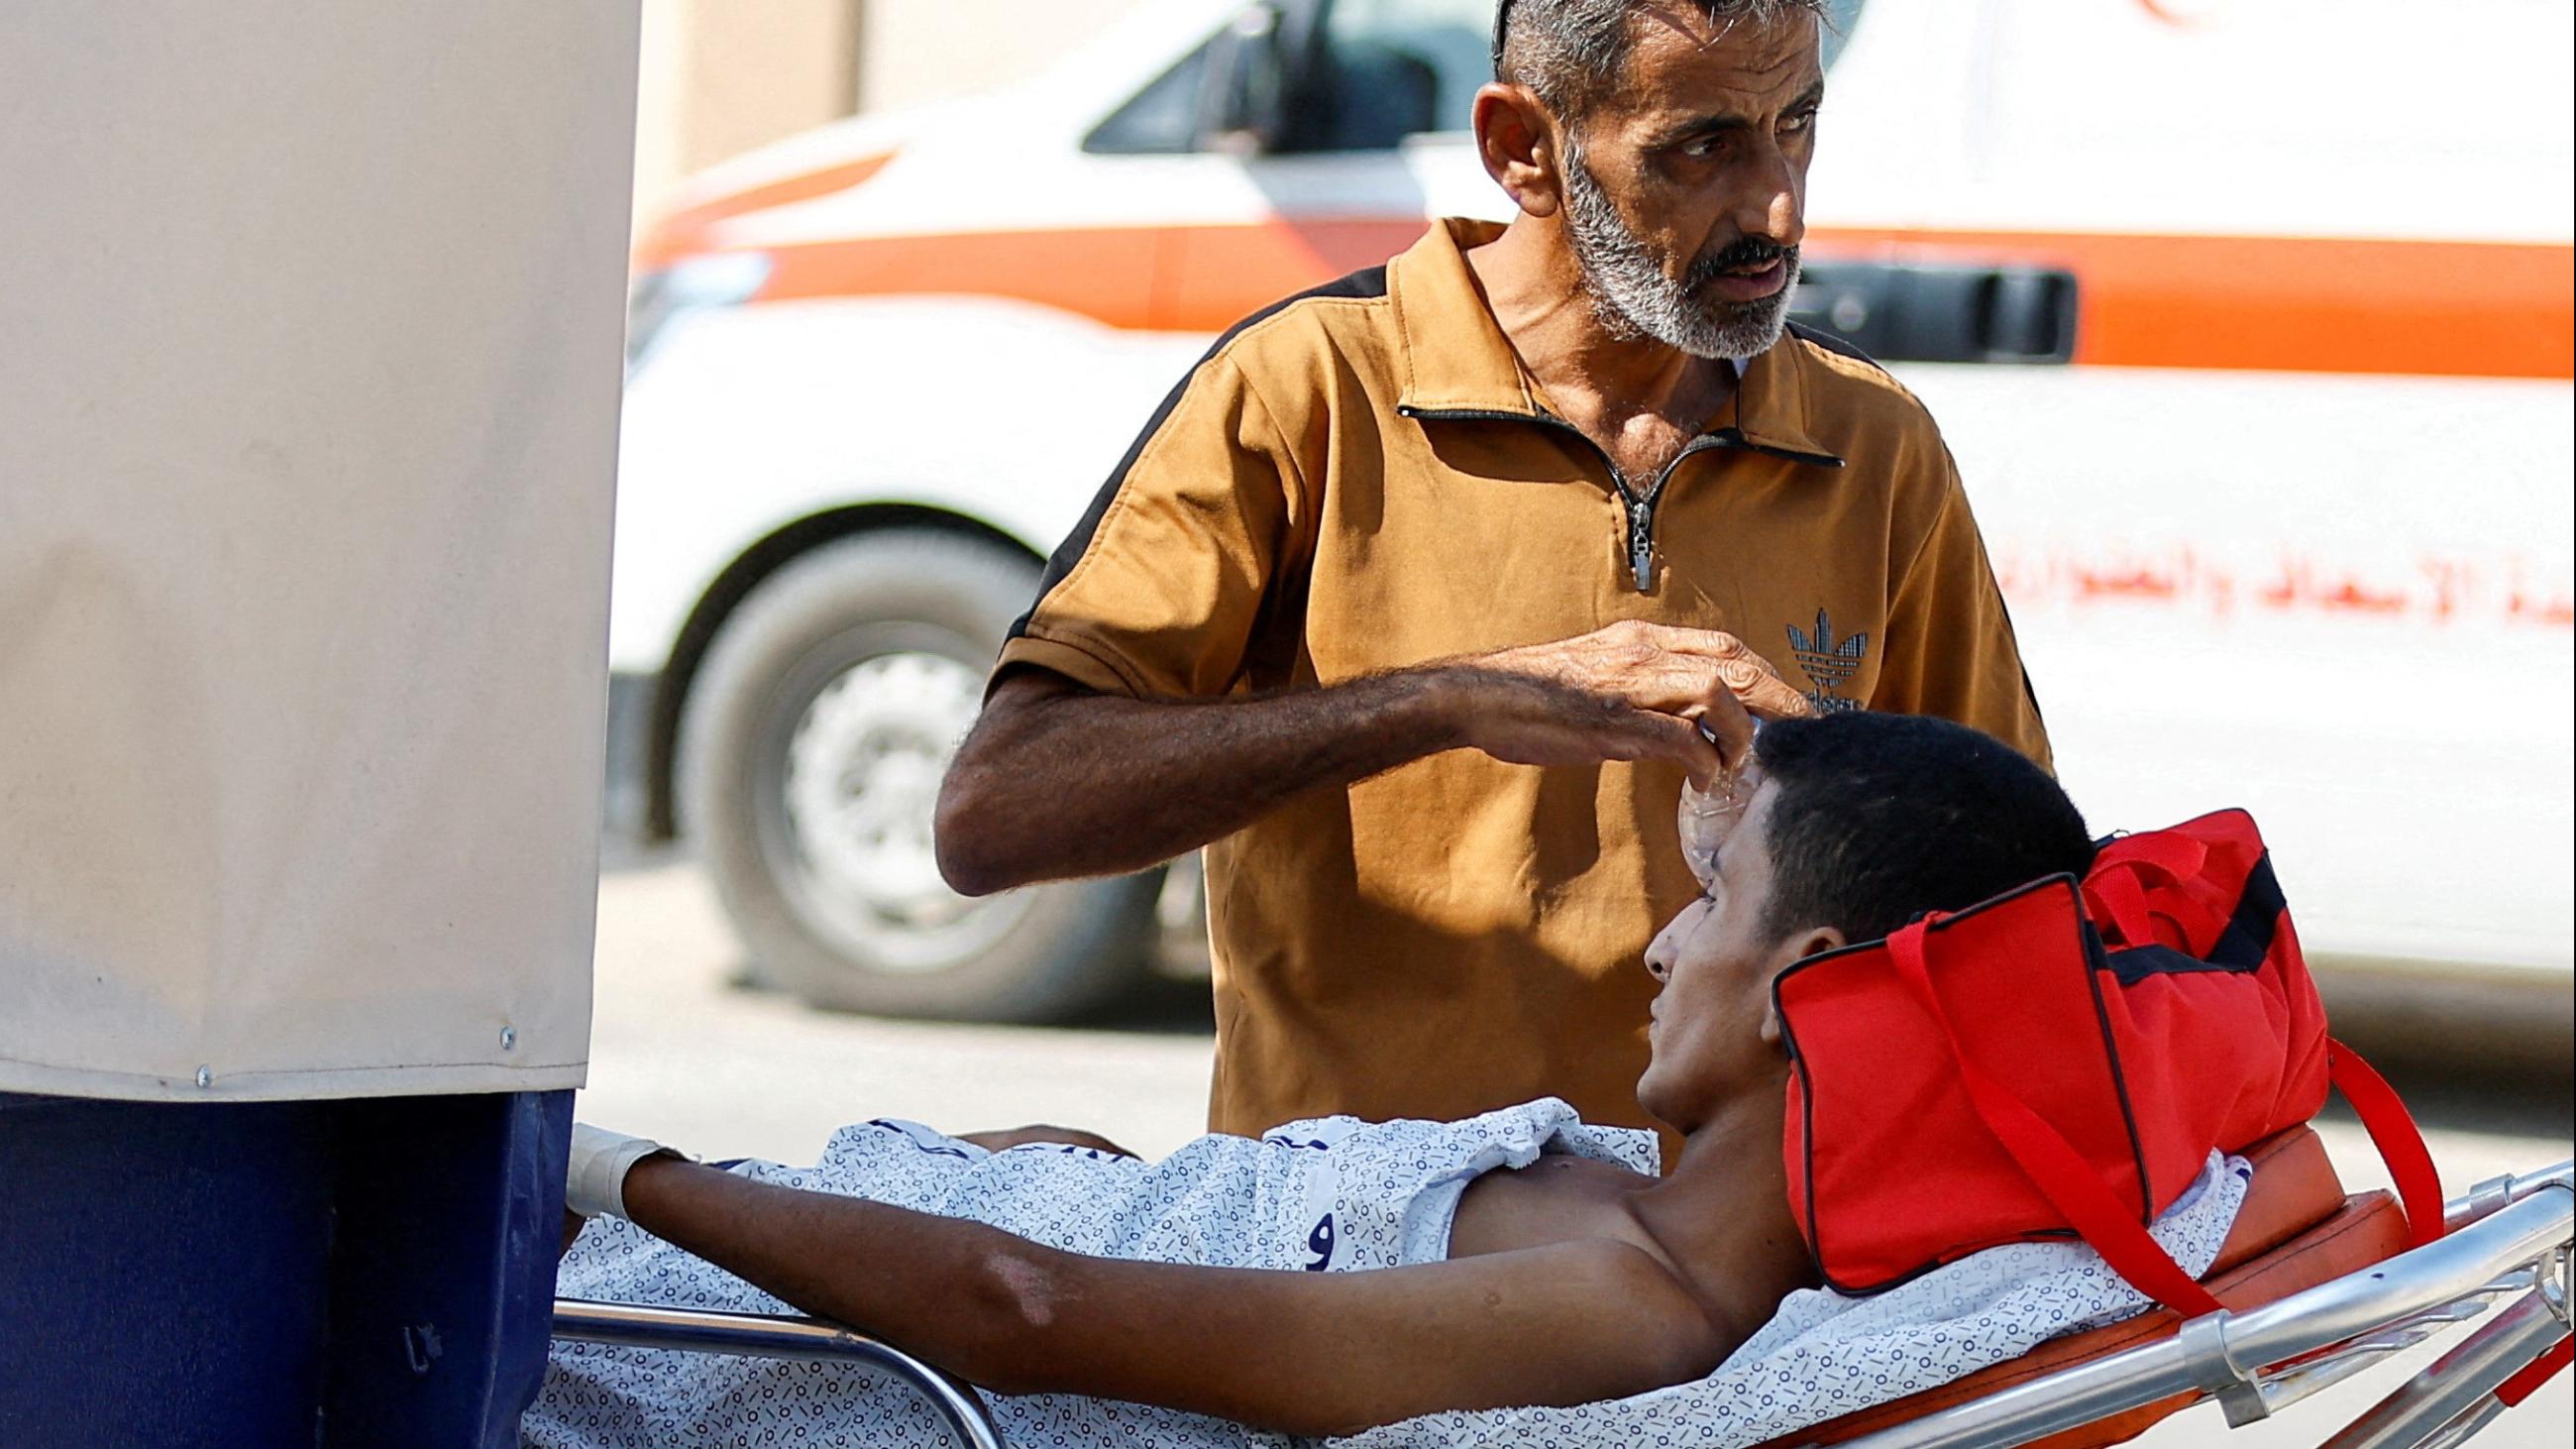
[1880, 818]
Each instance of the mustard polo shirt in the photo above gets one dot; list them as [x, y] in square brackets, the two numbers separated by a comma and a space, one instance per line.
[1363, 478]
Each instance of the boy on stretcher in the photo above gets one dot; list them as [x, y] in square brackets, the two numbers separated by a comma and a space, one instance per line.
[1527, 1258]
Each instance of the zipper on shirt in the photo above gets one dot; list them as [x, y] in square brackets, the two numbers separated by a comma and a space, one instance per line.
[1641, 513]
[1636, 509]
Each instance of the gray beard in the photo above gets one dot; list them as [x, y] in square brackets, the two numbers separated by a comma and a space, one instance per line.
[1634, 298]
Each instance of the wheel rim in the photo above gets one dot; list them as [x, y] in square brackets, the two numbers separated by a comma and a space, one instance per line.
[857, 793]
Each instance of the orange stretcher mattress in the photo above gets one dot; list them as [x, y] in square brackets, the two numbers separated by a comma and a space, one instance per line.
[2296, 1230]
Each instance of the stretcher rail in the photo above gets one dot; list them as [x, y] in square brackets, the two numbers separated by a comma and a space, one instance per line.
[2458, 1388]
[2507, 1238]
[779, 1336]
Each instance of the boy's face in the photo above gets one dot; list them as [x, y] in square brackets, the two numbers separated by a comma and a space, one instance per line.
[1713, 1038]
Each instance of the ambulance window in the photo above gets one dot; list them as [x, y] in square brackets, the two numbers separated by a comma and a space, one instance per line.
[1163, 118]
[1389, 69]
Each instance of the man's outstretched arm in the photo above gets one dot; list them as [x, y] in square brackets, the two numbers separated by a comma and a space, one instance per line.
[1058, 781]
[1297, 1353]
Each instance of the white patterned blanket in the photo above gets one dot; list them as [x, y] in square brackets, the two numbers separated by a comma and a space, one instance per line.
[1329, 1195]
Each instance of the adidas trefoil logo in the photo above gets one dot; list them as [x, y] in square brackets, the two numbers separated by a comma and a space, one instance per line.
[1830, 663]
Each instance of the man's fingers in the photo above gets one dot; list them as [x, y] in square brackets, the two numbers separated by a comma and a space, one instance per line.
[1751, 679]
[1771, 697]
[1668, 736]
[1726, 724]
[1743, 669]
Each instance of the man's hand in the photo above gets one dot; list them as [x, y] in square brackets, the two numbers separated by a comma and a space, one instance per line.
[1058, 781]
[999, 1141]
[1629, 691]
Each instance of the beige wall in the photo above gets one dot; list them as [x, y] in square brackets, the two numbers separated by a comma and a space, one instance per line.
[720, 77]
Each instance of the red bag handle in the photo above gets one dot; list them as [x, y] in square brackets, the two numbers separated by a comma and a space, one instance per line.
[2114, 893]
[2050, 1162]
[2393, 1131]
[2114, 898]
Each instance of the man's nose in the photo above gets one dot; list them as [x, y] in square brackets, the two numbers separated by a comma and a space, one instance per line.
[1773, 206]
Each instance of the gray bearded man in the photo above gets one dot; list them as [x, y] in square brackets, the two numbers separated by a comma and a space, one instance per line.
[1468, 548]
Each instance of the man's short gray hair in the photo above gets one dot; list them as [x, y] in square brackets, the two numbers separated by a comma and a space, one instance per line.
[1571, 51]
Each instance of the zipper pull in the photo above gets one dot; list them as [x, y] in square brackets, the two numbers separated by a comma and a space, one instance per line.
[1641, 547]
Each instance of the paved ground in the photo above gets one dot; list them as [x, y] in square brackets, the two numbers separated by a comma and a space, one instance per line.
[720, 1070]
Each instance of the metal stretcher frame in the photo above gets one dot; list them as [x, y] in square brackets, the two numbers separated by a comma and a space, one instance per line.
[784, 1336]
[2508, 1239]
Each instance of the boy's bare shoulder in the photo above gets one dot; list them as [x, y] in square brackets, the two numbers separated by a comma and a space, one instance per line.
[1557, 1199]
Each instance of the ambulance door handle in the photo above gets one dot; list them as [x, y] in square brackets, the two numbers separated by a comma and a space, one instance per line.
[1941, 311]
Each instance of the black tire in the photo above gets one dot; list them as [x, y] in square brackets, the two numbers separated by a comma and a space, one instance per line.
[856, 614]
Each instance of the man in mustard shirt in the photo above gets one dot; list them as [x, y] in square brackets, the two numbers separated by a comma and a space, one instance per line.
[1407, 602]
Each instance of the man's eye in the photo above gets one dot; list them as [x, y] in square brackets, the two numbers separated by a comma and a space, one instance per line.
[1802, 121]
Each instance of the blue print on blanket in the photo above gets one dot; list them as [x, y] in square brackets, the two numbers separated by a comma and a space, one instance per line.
[1226, 1201]
[1320, 1243]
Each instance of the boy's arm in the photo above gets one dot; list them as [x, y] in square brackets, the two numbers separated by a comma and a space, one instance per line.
[1299, 1353]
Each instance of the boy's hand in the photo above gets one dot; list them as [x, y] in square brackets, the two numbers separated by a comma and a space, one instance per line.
[595, 1173]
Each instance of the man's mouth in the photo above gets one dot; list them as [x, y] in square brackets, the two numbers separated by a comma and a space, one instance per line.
[1744, 271]
[1750, 283]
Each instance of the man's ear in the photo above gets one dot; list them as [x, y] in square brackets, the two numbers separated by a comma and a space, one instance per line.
[1796, 948]
[1516, 138]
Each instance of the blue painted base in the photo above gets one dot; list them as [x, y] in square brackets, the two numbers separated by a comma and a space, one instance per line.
[376, 1272]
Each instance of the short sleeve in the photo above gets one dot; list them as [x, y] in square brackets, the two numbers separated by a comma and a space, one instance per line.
[1157, 591]
[1950, 645]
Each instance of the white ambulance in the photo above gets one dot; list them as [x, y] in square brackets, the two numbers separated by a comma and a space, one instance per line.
[2248, 320]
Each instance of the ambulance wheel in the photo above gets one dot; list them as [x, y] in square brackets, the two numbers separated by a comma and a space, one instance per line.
[812, 744]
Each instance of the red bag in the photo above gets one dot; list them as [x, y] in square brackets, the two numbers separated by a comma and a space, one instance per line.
[2060, 1061]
